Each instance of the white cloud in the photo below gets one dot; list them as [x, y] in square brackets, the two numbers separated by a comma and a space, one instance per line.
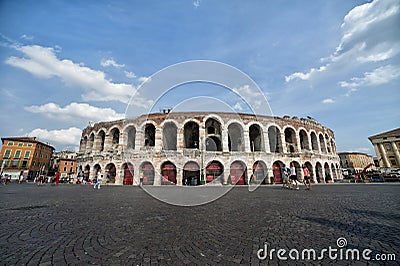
[328, 100]
[42, 62]
[75, 111]
[238, 106]
[70, 136]
[378, 76]
[144, 79]
[196, 3]
[254, 97]
[130, 74]
[370, 33]
[110, 62]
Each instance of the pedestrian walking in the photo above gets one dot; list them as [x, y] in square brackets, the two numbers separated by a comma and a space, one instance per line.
[40, 180]
[286, 174]
[99, 179]
[293, 176]
[307, 178]
[21, 177]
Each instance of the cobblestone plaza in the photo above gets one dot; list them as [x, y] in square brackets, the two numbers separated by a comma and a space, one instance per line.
[123, 225]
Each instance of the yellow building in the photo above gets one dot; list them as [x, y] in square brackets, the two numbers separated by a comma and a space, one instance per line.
[24, 154]
[355, 162]
[387, 146]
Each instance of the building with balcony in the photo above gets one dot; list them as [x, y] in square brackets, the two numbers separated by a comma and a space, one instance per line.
[202, 148]
[25, 154]
[387, 146]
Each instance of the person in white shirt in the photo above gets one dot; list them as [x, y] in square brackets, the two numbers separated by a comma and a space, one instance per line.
[293, 175]
[99, 179]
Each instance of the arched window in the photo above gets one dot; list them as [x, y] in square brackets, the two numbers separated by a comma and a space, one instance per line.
[131, 138]
[274, 137]
[235, 137]
[169, 136]
[213, 135]
[191, 133]
[255, 135]
[149, 135]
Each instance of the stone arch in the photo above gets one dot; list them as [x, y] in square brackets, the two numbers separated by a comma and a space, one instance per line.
[328, 176]
[191, 174]
[333, 146]
[290, 139]
[146, 173]
[310, 170]
[90, 142]
[260, 173]
[235, 137]
[303, 136]
[168, 173]
[333, 168]
[328, 143]
[101, 136]
[256, 138]
[322, 143]
[275, 141]
[170, 136]
[128, 174]
[111, 172]
[86, 172]
[318, 173]
[191, 135]
[149, 135]
[314, 142]
[214, 170]
[131, 137]
[238, 173]
[213, 135]
[82, 146]
[96, 169]
[115, 134]
[277, 171]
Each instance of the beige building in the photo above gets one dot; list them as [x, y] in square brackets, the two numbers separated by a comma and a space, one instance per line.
[355, 162]
[387, 146]
[199, 148]
[65, 163]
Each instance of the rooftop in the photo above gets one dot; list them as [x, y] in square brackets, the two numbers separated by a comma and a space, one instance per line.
[391, 133]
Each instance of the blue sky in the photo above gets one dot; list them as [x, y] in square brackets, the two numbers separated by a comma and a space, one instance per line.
[64, 63]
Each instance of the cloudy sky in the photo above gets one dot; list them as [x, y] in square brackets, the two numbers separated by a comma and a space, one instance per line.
[64, 63]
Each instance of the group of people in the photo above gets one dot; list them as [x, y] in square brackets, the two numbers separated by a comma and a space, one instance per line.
[290, 179]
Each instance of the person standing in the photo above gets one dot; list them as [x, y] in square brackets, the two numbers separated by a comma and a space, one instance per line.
[21, 177]
[293, 175]
[99, 179]
[286, 174]
[57, 178]
[307, 178]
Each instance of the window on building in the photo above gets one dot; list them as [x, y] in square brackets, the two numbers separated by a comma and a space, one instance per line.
[388, 148]
[65, 163]
[17, 154]
[65, 169]
[20, 144]
[7, 154]
[24, 164]
[30, 145]
[27, 154]
[33, 163]
[10, 143]
[393, 162]
[14, 163]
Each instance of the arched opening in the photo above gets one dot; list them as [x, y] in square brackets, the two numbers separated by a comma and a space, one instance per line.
[149, 135]
[111, 172]
[314, 142]
[235, 137]
[310, 170]
[214, 170]
[213, 135]
[304, 145]
[130, 145]
[277, 171]
[334, 175]
[191, 134]
[87, 172]
[255, 135]
[191, 174]
[328, 143]
[168, 173]
[333, 146]
[91, 142]
[299, 170]
[328, 176]
[259, 173]
[147, 173]
[274, 137]
[238, 173]
[322, 143]
[169, 136]
[96, 169]
[318, 172]
[290, 139]
[102, 138]
[128, 174]
[82, 146]
[115, 138]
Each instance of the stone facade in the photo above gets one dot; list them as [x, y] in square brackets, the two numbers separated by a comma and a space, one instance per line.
[198, 148]
[355, 162]
[387, 148]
